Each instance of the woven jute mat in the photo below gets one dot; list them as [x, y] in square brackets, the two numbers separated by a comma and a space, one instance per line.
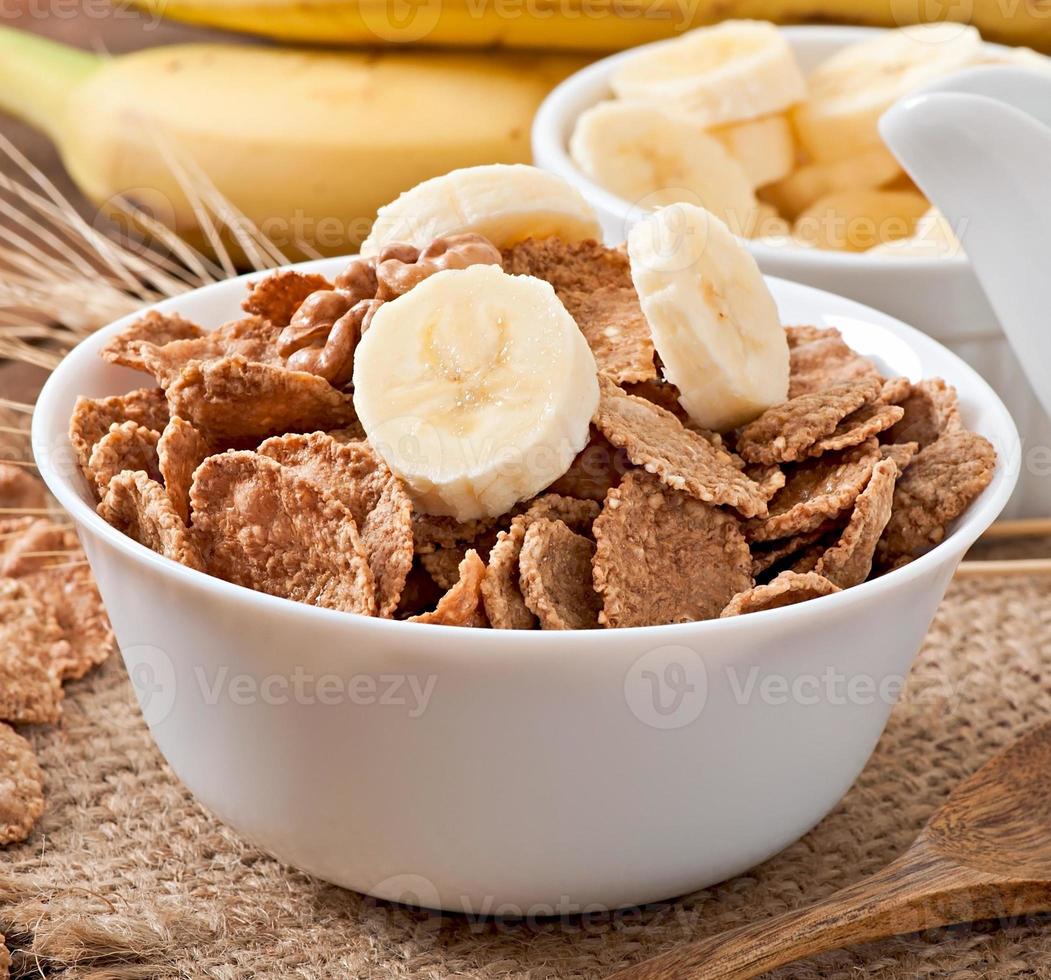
[126, 876]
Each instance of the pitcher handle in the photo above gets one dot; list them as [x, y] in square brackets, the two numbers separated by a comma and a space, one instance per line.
[1023, 88]
[983, 163]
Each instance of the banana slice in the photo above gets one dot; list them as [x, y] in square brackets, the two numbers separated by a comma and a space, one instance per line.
[504, 202]
[853, 88]
[765, 223]
[765, 148]
[801, 188]
[737, 70]
[477, 388]
[856, 221]
[933, 238]
[1020, 58]
[652, 158]
[713, 319]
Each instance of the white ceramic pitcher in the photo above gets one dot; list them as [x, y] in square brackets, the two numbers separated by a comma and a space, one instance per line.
[978, 144]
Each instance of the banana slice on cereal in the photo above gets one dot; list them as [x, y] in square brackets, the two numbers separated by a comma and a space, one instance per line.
[506, 203]
[477, 388]
[714, 321]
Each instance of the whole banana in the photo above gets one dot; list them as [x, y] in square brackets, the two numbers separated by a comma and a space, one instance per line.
[591, 25]
[307, 144]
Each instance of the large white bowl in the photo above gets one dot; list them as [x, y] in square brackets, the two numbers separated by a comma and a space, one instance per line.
[547, 771]
[941, 297]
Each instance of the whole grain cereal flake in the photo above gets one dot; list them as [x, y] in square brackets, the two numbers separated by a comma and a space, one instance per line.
[555, 576]
[930, 408]
[92, 418]
[903, 453]
[869, 420]
[577, 515]
[785, 590]
[48, 559]
[432, 531]
[38, 544]
[141, 509]
[353, 432]
[127, 446]
[849, 561]
[154, 329]
[501, 588]
[443, 565]
[819, 358]
[662, 393]
[31, 646]
[940, 484]
[681, 459]
[277, 296]
[263, 526]
[595, 470]
[180, 450]
[766, 555]
[356, 476]
[785, 433]
[816, 491]
[20, 490]
[769, 479]
[594, 283]
[11, 530]
[505, 605]
[21, 796]
[462, 604]
[664, 557]
[895, 391]
[613, 324]
[580, 266]
[252, 338]
[236, 401]
[68, 590]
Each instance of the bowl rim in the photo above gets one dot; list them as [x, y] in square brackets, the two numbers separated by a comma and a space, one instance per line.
[50, 428]
[551, 153]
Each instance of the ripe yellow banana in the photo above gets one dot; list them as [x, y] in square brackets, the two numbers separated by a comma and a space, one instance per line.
[307, 144]
[591, 25]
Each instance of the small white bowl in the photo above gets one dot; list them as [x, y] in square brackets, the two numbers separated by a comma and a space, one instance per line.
[940, 296]
[525, 773]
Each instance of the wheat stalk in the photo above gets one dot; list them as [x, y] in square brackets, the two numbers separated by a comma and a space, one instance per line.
[61, 278]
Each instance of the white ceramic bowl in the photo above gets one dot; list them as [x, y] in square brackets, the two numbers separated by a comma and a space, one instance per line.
[525, 772]
[941, 297]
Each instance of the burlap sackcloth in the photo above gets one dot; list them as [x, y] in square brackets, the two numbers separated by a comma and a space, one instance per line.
[126, 876]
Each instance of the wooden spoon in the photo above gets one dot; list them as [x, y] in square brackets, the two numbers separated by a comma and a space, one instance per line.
[985, 854]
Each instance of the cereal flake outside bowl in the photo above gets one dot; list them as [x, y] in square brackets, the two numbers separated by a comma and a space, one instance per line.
[505, 772]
